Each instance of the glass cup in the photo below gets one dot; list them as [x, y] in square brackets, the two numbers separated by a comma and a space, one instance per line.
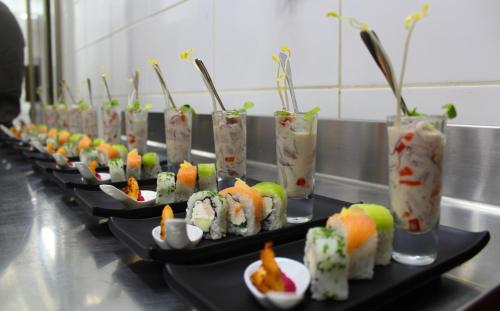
[178, 130]
[111, 124]
[89, 122]
[51, 116]
[230, 140]
[75, 119]
[416, 149]
[296, 161]
[63, 117]
[137, 130]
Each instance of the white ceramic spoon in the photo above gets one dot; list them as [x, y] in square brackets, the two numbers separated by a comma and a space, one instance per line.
[38, 146]
[89, 177]
[179, 235]
[293, 269]
[115, 193]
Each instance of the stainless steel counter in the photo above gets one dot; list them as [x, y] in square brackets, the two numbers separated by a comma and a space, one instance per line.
[53, 256]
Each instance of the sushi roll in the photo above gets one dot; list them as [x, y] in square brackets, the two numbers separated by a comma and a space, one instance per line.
[122, 150]
[165, 188]
[385, 228]
[361, 238]
[84, 143]
[133, 164]
[73, 146]
[63, 137]
[151, 164]
[116, 170]
[208, 211]
[207, 179]
[105, 153]
[244, 209]
[186, 181]
[88, 155]
[326, 258]
[274, 204]
[97, 142]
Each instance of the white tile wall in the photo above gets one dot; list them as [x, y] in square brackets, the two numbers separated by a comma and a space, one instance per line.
[453, 57]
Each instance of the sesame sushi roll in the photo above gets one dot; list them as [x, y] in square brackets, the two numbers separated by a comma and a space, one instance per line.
[186, 181]
[326, 258]
[116, 170]
[207, 179]
[244, 209]
[274, 203]
[208, 211]
[165, 188]
[134, 164]
[151, 164]
[361, 238]
[385, 227]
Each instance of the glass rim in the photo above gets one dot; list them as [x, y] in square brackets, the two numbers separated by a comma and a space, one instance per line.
[229, 112]
[435, 117]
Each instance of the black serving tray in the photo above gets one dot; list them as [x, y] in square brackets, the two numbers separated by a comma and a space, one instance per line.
[220, 286]
[136, 234]
[37, 156]
[97, 203]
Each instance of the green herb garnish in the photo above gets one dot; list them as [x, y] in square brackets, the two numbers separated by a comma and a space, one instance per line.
[135, 106]
[246, 106]
[282, 113]
[187, 107]
[450, 111]
[83, 105]
[413, 113]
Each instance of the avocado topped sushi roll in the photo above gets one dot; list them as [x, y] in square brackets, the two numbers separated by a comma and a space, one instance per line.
[244, 209]
[165, 188]
[208, 211]
[274, 204]
[385, 227]
[326, 258]
[97, 142]
[151, 164]
[88, 155]
[361, 238]
[122, 150]
[186, 181]
[207, 179]
[134, 164]
[116, 170]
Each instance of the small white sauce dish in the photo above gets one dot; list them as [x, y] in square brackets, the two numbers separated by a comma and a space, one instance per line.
[293, 269]
[148, 195]
[89, 177]
[178, 235]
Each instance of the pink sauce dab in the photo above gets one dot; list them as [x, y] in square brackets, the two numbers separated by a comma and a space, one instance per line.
[97, 175]
[69, 163]
[289, 284]
[140, 198]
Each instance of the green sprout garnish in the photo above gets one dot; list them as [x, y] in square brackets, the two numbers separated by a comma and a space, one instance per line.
[450, 111]
[83, 105]
[413, 113]
[135, 106]
[311, 113]
[187, 107]
[282, 113]
[246, 106]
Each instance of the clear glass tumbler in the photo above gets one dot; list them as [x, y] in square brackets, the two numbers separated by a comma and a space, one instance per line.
[63, 117]
[50, 116]
[230, 140]
[89, 122]
[416, 147]
[296, 161]
[137, 130]
[75, 119]
[178, 131]
[111, 124]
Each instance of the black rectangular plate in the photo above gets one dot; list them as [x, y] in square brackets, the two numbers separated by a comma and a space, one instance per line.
[220, 286]
[97, 203]
[36, 155]
[136, 234]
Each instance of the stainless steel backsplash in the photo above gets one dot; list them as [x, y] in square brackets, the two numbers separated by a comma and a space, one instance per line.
[358, 150]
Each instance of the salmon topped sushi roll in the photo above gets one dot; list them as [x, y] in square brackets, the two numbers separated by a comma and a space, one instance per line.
[361, 237]
[244, 209]
[134, 162]
[186, 181]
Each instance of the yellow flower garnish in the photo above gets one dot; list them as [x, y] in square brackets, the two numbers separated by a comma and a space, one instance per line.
[153, 61]
[286, 49]
[276, 59]
[332, 14]
[281, 77]
[414, 17]
[186, 55]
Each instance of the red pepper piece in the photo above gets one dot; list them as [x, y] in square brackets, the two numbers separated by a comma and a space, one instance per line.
[285, 120]
[414, 225]
[413, 183]
[409, 136]
[433, 157]
[406, 214]
[229, 159]
[406, 171]
[301, 182]
[140, 198]
[131, 139]
[400, 147]
[182, 116]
